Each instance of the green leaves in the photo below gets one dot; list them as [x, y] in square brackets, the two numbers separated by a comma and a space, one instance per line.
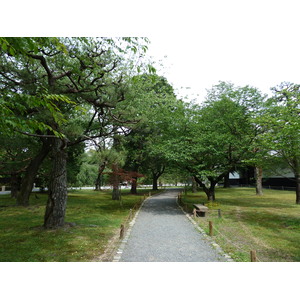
[281, 124]
[25, 113]
[215, 138]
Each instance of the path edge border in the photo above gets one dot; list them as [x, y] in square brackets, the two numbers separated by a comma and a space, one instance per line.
[208, 238]
[123, 242]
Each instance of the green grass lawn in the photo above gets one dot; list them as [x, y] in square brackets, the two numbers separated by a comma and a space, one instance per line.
[97, 219]
[269, 224]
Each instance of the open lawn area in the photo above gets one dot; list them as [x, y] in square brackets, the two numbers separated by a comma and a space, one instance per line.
[97, 221]
[269, 224]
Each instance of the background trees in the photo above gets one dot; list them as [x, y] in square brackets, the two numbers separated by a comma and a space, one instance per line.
[154, 107]
[59, 95]
[216, 138]
[282, 128]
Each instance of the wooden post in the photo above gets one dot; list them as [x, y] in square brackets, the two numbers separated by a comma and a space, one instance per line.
[122, 229]
[219, 213]
[194, 213]
[210, 228]
[253, 256]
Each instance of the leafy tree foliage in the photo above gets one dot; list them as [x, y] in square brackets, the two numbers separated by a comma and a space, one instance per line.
[155, 103]
[212, 140]
[45, 83]
[282, 128]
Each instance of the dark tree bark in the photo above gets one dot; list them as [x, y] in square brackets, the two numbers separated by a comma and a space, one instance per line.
[226, 181]
[294, 163]
[57, 199]
[297, 188]
[155, 176]
[98, 182]
[154, 183]
[209, 191]
[116, 183]
[116, 193]
[31, 172]
[133, 189]
[258, 177]
[15, 185]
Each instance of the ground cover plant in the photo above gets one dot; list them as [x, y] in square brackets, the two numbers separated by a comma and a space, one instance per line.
[96, 217]
[269, 224]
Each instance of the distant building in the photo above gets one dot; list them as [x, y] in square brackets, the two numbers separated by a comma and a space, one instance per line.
[279, 179]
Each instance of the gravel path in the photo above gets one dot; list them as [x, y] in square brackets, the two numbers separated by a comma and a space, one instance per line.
[162, 233]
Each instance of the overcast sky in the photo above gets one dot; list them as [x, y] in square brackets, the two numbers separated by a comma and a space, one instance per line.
[200, 42]
[246, 42]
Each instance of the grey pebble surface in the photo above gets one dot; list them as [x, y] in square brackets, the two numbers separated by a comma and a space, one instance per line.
[162, 233]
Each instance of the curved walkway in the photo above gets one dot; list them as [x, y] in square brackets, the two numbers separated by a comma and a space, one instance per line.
[162, 233]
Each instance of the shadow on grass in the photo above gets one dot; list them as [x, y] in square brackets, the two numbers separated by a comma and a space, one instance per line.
[97, 219]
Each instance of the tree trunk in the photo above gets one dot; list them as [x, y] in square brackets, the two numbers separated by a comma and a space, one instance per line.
[115, 183]
[154, 182]
[210, 193]
[258, 176]
[226, 181]
[133, 189]
[297, 188]
[15, 185]
[194, 185]
[57, 198]
[155, 176]
[116, 193]
[31, 172]
[98, 182]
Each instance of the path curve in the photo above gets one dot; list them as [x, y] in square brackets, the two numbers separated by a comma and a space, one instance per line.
[162, 233]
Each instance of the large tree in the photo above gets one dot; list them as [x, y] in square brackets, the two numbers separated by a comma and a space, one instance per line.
[253, 101]
[215, 138]
[88, 74]
[26, 104]
[220, 141]
[282, 127]
[155, 103]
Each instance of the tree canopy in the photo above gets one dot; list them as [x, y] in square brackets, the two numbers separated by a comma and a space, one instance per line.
[61, 97]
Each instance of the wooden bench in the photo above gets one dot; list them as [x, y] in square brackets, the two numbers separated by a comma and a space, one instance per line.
[200, 210]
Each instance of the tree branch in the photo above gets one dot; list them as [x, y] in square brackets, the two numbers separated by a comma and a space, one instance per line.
[36, 135]
[44, 64]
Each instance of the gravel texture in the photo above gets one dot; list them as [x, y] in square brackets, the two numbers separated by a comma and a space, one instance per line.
[162, 233]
